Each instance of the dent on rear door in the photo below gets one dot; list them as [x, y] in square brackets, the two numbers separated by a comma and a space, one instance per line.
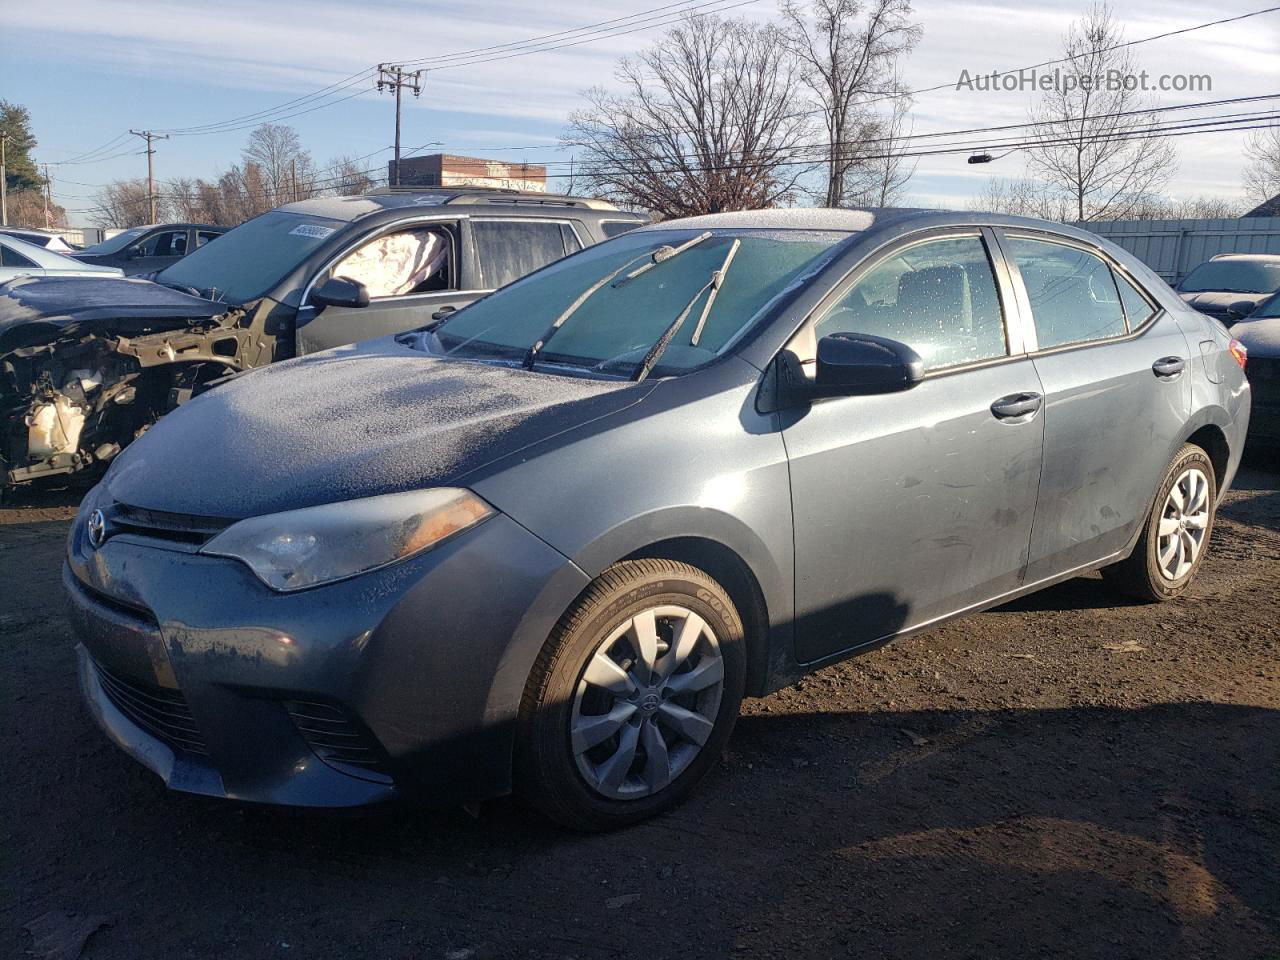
[1110, 424]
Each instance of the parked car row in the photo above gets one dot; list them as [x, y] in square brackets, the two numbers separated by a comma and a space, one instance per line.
[547, 541]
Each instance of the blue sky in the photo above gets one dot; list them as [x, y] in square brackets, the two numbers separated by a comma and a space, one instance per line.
[90, 69]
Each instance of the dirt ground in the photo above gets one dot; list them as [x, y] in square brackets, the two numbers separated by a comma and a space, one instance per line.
[1070, 775]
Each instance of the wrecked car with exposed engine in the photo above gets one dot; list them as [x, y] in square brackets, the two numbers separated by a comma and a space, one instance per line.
[86, 365]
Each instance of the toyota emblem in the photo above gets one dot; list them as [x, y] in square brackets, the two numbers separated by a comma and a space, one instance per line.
[97, 529]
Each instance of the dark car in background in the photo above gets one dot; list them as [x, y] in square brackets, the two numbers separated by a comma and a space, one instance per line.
[147, 249]
[549, 543]
[1230, 285]
[109, 357]
[1260, 335]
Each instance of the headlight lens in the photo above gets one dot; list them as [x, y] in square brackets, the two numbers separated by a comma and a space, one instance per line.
[304, 548]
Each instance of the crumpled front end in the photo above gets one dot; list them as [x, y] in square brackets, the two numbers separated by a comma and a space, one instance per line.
[77, 384]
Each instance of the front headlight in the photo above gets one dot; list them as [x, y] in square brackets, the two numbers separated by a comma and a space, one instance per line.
[304, 548]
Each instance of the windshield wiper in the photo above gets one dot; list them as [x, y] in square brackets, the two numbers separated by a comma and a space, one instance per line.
[713, 284]
[660, 255]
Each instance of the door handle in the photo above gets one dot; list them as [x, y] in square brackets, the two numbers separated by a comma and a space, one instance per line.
[1017, 405]
[1168, 367]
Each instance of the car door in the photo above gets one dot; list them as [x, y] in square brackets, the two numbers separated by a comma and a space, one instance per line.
[909, 506]
[411, 272]
[156, 251]
[1117, 385]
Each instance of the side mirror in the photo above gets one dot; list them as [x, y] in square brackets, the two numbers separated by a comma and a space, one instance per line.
[340, 292]
[1241, 309]
[857, 364]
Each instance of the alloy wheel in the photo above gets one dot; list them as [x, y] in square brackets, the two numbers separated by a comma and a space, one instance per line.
[646, 702]
[1183, 524]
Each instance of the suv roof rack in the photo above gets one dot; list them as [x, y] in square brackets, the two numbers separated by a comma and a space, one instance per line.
[464, 195]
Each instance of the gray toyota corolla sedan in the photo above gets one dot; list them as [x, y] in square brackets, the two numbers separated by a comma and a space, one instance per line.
[548, 543]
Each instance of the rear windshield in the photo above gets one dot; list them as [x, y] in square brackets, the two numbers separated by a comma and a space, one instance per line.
[1233, 276]
[613, 330]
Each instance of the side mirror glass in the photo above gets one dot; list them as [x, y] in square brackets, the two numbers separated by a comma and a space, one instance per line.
[1241, 309]
[340, 292]
[856, 364]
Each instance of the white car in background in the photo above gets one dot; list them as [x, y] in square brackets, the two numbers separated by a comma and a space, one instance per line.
[21, 259]
[39, 238]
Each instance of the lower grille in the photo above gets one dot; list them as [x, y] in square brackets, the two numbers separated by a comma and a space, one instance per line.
[162, 713]
[335, 736]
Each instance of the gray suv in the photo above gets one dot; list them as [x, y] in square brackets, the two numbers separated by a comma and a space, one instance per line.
[98, 361]
[550, 543]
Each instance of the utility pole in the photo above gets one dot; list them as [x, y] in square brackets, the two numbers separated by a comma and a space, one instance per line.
[4, 181]
[392, 77]
[48, 188]
[148, 136]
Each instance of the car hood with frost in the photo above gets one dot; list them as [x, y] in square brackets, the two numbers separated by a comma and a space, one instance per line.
[358, 421]
[38, 309]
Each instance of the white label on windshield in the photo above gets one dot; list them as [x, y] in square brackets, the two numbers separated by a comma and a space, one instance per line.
[314, 231]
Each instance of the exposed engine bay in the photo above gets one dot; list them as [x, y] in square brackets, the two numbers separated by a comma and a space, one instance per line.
[80, 381]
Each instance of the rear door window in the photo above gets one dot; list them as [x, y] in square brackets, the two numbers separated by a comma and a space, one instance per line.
[12, 258]
[615, 228]
[1073, 293]
[170, 243]
[939, 297]
[1137, 308]
[204, 236]
[509, 249]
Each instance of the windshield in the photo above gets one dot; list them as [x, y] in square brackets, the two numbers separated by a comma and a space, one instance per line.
[248, 261]
[1233, 276]
[613, 329]
[1267, 308]
[116, 243]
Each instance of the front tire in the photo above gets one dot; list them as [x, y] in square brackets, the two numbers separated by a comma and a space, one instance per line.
[1175, 539]
[633, 697]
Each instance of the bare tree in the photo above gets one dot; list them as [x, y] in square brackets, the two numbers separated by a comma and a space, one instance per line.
[125, 203]
[849, 53]
[1090, 138]
[706, 123]
[1262, 171]
[345, 177]
[286, 170]
[1023, 197]
[27, 209]
[888, 169]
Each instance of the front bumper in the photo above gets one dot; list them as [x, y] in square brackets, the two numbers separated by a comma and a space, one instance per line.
[225, 688]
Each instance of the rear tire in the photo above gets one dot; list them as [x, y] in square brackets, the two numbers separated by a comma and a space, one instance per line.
[1175, 539]
[633, 697]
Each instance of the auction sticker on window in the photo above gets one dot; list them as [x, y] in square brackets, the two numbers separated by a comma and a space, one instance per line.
[312, 230]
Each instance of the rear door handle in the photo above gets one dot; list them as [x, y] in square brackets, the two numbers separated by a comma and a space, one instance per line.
[1168, 367]
[1017, 406]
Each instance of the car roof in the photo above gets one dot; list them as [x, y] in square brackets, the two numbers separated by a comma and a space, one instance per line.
[394, 199]
[866, 220]
[1265, 257]
[43, 256]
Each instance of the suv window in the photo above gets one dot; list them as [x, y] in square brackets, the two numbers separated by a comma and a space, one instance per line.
[12, 258]
[1073, 294]
[401, 263]
[171, 243]
[204, 236]
[939, 297]
[616, 228]
[509, 249]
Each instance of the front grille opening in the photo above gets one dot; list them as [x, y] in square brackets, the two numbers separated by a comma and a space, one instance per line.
[162, 713]
[339, 739]
[162, 525]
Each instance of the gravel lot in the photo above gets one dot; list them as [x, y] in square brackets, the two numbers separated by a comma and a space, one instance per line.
[1070, 775]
